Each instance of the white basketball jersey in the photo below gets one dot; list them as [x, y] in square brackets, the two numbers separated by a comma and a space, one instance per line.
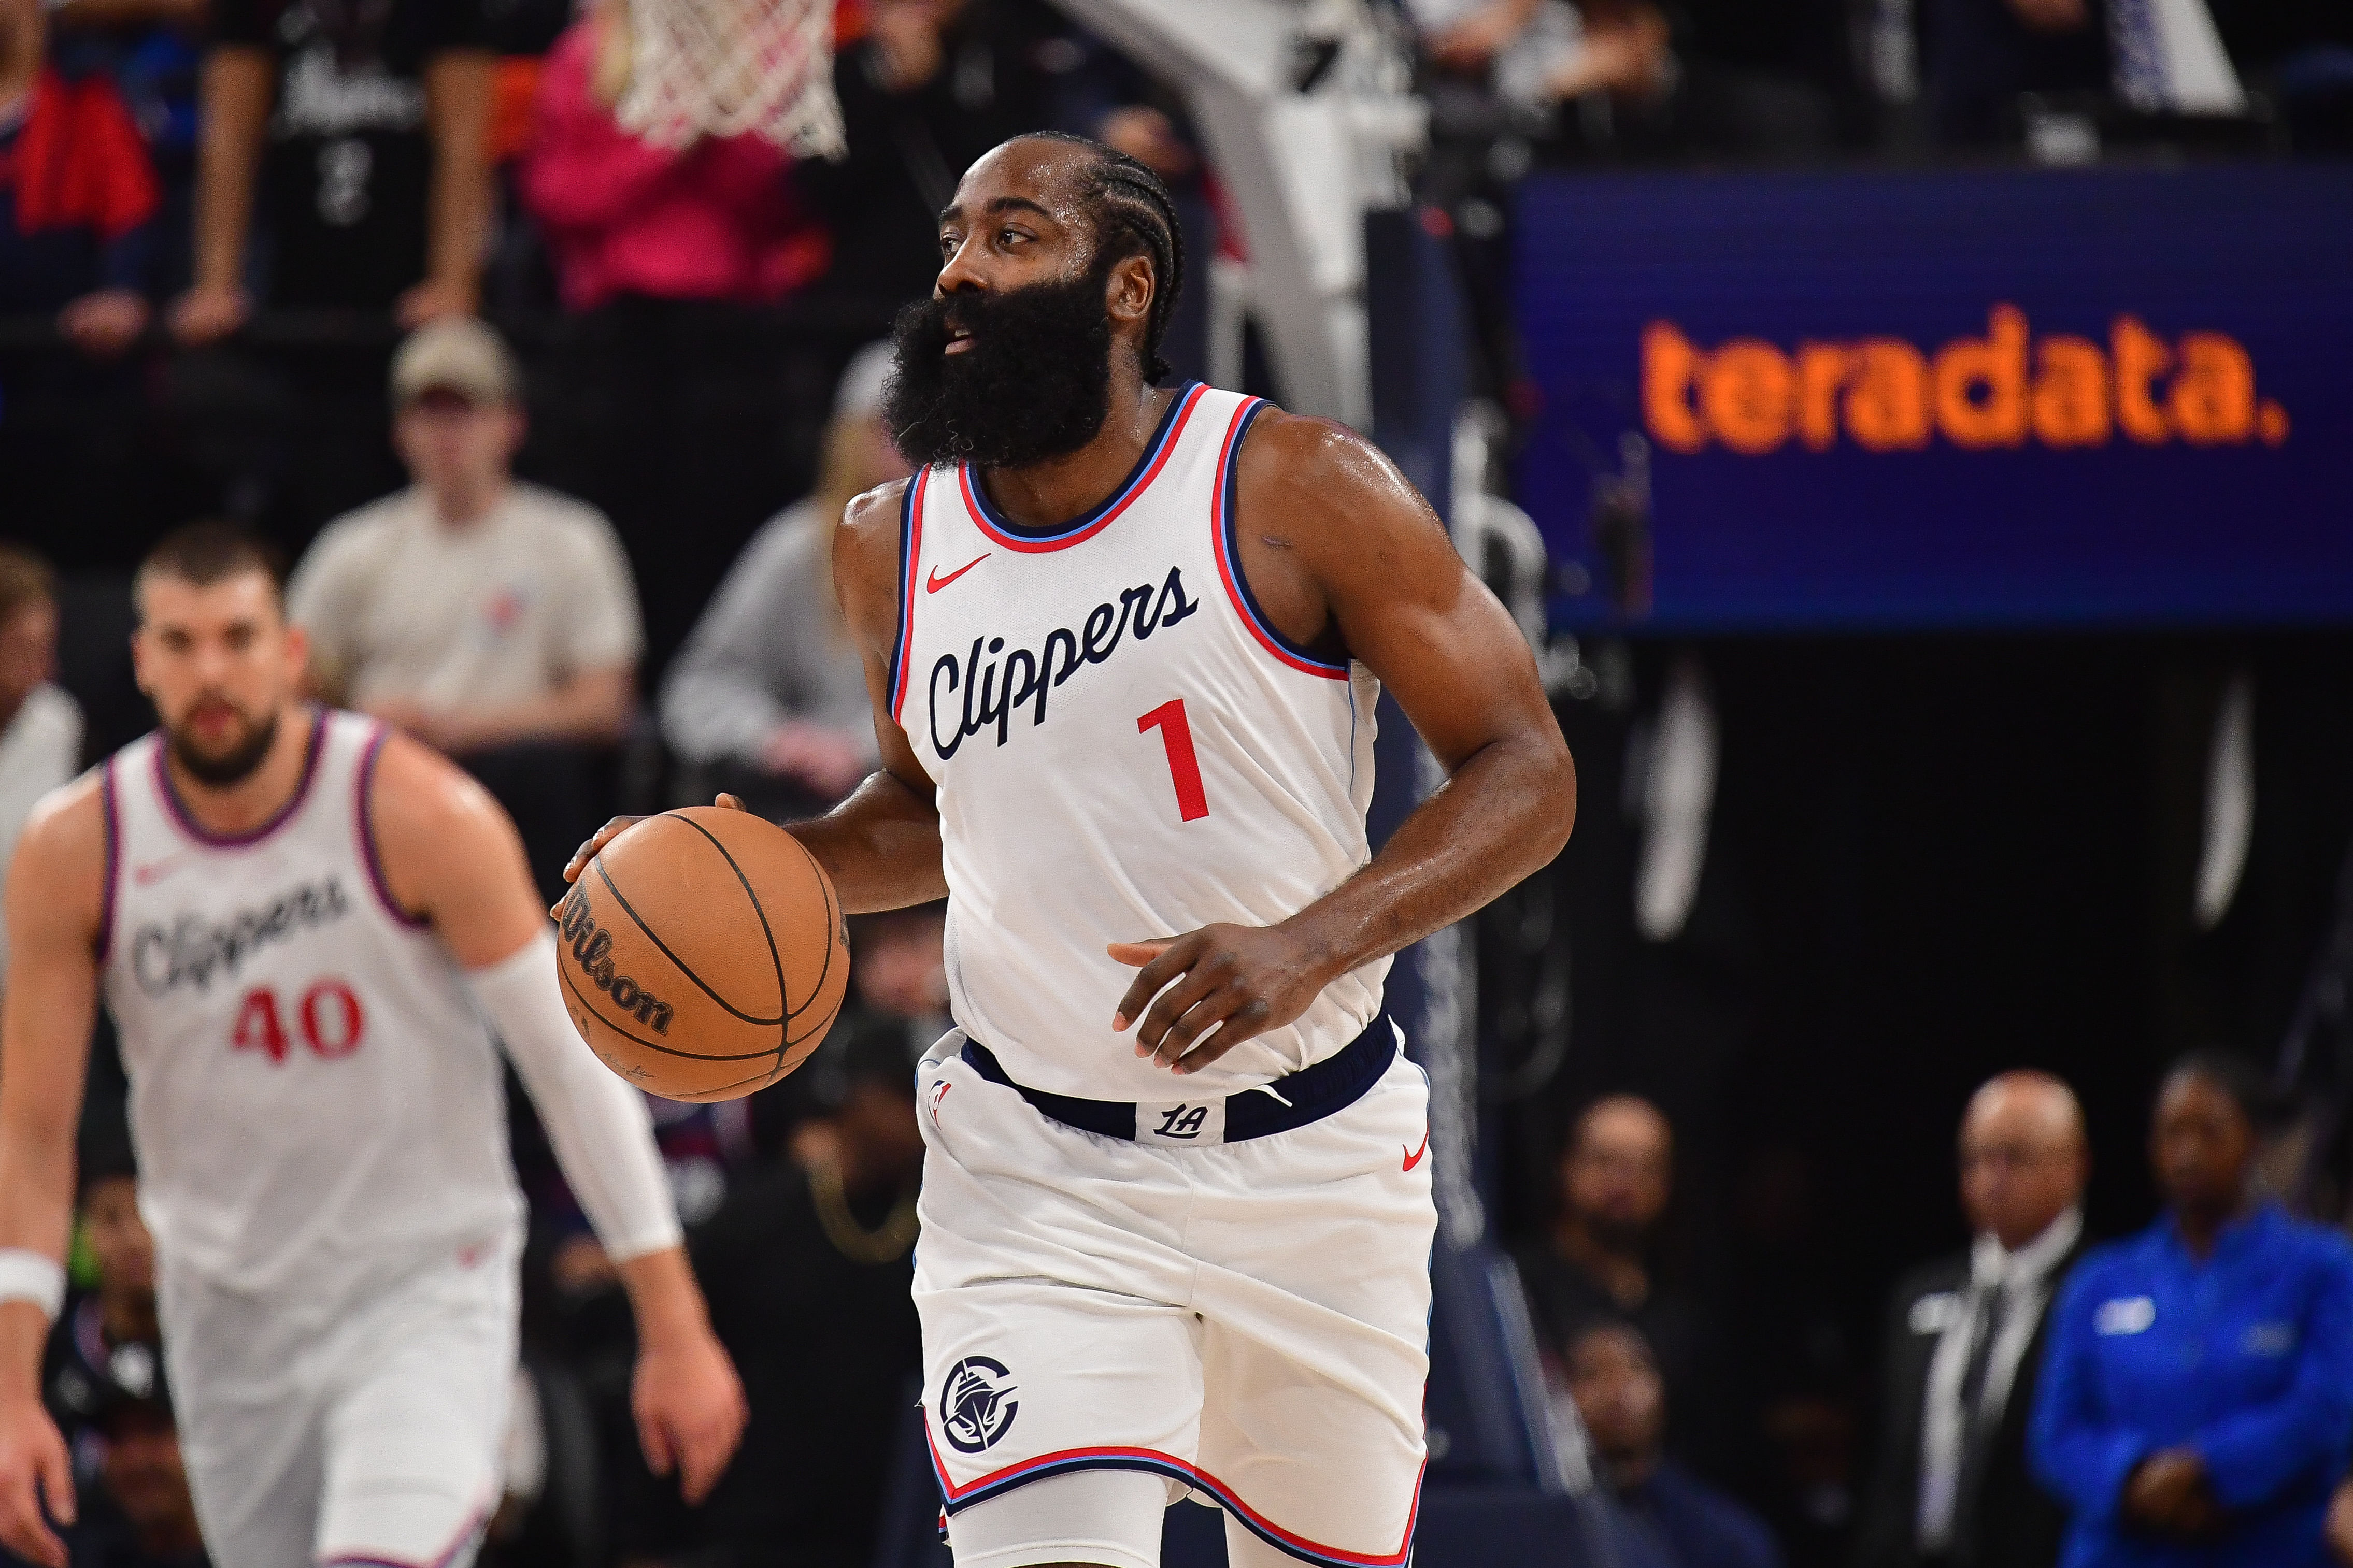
[1124, 748]
[313, 1094]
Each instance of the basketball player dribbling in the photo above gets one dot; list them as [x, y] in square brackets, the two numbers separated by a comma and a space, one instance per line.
[314, 936]
[1125, 644]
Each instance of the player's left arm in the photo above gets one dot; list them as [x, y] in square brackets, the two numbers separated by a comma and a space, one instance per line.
[1342, 554]
[452, 856]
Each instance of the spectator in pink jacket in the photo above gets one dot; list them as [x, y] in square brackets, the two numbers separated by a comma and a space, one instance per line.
[713, 221]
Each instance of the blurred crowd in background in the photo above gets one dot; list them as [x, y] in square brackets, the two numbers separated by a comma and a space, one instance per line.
[216, 214]
[247, 251]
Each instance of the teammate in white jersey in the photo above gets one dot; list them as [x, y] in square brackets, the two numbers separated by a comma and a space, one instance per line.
[1124, 644]
[308, 929]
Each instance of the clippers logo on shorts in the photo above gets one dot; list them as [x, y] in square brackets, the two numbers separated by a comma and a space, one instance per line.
[977, 1406]
[192, 950]
[592, 952]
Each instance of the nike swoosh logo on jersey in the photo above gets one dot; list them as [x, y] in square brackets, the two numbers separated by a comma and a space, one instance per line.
[156, 870]
[934, 582]
[1414, 1157]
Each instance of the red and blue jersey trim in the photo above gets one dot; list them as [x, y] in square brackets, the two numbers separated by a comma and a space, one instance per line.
[911, 555]
[1029, 541]
[1152, 1461]
[1224, 507]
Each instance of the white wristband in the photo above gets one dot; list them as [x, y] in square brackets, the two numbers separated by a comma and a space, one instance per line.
[35, 1276]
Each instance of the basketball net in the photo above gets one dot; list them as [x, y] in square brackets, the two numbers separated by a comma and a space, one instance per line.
[720, 67]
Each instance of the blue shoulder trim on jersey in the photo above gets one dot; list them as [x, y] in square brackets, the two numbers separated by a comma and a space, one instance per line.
[1228, 501]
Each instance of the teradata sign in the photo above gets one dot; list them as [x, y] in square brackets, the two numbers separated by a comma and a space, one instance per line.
[2004, 389]
[1975, 397]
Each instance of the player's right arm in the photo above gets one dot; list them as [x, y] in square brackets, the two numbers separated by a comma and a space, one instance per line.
[55, 897]
[881, 845]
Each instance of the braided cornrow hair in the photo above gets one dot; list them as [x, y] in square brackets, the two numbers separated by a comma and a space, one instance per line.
[1135, 215]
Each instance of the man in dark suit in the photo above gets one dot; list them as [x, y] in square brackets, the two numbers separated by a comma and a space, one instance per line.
[1964, 1345]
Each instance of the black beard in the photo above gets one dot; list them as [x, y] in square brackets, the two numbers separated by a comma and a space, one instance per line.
[234, 766]
[1034, 383]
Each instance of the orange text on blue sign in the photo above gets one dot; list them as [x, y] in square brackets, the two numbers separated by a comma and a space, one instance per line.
[2004, 389]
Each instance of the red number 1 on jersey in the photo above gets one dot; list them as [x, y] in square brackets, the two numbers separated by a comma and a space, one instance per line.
[1177, 739]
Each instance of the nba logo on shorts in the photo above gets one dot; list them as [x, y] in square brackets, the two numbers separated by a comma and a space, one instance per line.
[976, 1408]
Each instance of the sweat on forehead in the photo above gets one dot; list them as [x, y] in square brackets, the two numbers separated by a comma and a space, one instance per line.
[1052, 173]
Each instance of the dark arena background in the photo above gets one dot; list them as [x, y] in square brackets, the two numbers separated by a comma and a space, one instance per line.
[1914, 437]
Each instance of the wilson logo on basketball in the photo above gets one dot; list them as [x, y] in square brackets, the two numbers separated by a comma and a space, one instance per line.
[592, 952]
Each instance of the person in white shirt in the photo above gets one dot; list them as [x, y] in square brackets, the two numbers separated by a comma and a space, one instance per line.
[1964, 1342]
[40, 726]
[471, 610]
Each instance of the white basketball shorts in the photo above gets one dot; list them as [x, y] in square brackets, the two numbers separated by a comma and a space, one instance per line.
[357, 1426]
[1248, 1321]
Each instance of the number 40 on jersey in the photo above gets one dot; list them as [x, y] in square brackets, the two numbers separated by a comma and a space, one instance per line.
[328, 1017]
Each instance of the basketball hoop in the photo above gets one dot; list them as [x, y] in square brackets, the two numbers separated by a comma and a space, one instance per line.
[720, 67]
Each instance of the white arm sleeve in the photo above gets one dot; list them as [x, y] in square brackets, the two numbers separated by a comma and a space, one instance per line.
[604, 1139]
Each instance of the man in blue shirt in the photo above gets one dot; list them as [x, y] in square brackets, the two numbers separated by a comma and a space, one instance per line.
[2197, 1406]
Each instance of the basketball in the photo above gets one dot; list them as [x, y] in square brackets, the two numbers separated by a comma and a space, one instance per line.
[703, 954]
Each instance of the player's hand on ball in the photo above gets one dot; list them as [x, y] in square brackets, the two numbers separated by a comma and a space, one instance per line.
[1226, 983]
[691, 1411]
[610, 831]
[33, 1466]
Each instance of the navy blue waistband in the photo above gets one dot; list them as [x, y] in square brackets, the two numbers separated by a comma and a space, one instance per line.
[1293, 1100]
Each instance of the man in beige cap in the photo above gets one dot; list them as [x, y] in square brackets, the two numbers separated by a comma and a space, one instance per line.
[476, 612]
